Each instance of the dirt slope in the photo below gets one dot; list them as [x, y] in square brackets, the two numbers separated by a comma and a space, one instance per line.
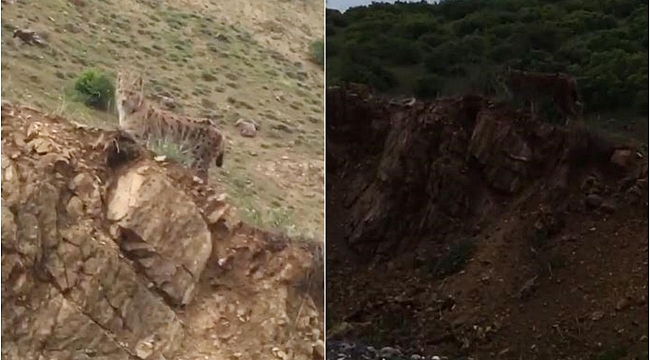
[460, 227]
[225, 60]
[108, 254]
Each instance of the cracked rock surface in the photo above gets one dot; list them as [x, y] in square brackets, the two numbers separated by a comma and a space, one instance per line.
[107, 254]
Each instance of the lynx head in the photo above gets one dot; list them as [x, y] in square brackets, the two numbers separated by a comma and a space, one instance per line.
[129, 93]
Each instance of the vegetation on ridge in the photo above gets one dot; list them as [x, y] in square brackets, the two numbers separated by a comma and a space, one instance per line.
[445, 48]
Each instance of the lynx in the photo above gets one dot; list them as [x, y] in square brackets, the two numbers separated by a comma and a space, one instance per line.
[143, 120]
[532, 87]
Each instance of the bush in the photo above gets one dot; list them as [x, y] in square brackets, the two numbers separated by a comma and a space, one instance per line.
[317, 50]
[456, 258]
[428, 86]
[95, 89]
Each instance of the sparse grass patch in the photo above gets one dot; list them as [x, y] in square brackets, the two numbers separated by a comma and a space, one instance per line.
[275, 218]
[539, 238]
[208, 76]
[613, 353]
[171, 150]
[455, 258]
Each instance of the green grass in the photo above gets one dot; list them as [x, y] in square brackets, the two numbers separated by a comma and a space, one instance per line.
[171, 151]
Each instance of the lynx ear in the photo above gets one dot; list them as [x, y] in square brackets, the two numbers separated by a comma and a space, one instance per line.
[139, 83]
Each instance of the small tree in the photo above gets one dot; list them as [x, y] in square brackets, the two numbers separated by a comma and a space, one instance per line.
[95, 89]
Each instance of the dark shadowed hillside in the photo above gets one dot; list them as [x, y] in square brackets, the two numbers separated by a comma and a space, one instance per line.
[461, 227]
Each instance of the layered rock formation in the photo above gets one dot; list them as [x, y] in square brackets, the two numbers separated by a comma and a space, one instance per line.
[108, 254]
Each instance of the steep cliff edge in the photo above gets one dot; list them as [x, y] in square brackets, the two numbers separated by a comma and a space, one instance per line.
[462, 227]
[108, 253]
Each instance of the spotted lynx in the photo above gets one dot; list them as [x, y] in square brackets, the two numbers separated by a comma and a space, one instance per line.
[363, 91]
[532, 87]
[144, 120]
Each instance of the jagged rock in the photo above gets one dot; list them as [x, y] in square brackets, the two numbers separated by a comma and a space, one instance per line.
[506, 156]
[594, 200]
[79, 290]
[622, 304]
[247, 128]
[161, 229]
[597, 315]
[28, 37]
[609, 206]
[621, 157]
[99, 242]
[528, 288]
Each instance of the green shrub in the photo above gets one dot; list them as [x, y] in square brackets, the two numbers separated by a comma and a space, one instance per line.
[95, 89]
[456, 258]
[603, 44]
[428, 86]
[317, 50]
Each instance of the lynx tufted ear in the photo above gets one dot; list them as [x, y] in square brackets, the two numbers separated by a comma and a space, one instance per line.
[120, 76]
[139, 83]
[123, 77]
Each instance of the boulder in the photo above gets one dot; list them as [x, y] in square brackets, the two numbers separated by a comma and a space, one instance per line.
[161, 229]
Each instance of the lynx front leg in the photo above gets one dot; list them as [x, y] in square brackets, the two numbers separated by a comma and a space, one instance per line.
[200, 168]
[201, 162]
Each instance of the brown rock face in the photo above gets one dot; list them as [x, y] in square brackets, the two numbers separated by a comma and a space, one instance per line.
[160, 229]
[460, 227]
[429, 165]
[110, 255]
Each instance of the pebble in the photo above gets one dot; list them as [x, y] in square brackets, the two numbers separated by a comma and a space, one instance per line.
[341, 350]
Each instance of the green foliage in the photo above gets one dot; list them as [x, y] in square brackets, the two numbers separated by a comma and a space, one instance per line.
[95, 89]
[613, 353]
[428, 86]
[317, 51]
[603, 43]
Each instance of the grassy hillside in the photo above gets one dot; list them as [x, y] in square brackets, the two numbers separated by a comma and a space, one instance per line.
[230, 59]
[454, 46]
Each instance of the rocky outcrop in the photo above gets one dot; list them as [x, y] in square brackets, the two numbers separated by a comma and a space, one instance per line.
[431, 165]
[161, 229]
[247, 128]
[461, 227]
[108, 254]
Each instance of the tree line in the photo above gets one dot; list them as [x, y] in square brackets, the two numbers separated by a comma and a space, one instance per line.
[456, 46]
